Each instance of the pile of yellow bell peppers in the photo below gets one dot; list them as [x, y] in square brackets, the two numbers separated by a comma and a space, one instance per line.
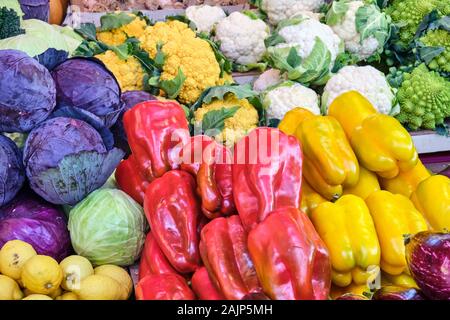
[365, 189]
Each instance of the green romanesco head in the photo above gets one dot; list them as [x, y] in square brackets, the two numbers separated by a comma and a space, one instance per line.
[438, 38]
[408, 14]
[9, 23]
[424, 99]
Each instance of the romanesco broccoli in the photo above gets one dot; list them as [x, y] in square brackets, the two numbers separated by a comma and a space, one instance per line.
[438, 38]
[424, 98]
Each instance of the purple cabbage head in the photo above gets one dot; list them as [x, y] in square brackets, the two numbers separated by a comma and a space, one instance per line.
[28, 93]
[12, 174]
[428, 258]
[88, 85]
[38, 223]
[66, 159]
[35, 9]
[129, 99]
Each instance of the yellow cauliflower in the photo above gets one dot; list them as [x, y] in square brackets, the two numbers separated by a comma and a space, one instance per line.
[118, 36]
[243, 121]
[183, 50]
[128, 72]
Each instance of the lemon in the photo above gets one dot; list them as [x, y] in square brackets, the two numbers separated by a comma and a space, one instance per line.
[37, 297]
[13, 255]
[53, 294]
[41, 274]
[9, 289]
[120, 275]
[75, 269]
[67, 296]
[98, 287]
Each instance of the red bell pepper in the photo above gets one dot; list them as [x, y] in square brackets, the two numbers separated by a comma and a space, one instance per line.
[130, 180]
[291, 260]
[168, 286]
[156, 132]
[210, 162]
[223, 248]
[153, 260]
[173, 212]
[203, 287]
[267, 174]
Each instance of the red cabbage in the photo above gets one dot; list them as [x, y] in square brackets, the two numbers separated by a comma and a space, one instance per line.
[12, 173]
[85, 83]
[37, 222]
[27, 95]
[35, 9]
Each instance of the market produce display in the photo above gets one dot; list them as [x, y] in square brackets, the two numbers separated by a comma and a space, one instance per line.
[131, 145]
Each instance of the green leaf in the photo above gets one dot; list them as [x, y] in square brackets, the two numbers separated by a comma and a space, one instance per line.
[251, 14]
[337, 12]
[141, 15]
[291, 22]
[273, 40]
[172, 87]
[111, 21]
[123, 51]
[344, 59]
[370, 22]
[160, 56]
[215, 119]
[278, 58]
[443, 130]
[259, 66]
[316, 66]
[87, 31]
[88, 49]
[218, 92]
[429, 53]
[293, 59]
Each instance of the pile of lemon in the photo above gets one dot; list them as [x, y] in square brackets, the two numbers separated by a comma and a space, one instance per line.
[28, 276]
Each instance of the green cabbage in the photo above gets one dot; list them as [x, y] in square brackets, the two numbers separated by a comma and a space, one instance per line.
[40, 36]
[108, 227]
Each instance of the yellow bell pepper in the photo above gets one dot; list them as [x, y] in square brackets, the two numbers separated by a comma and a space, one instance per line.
[310, 199]
[367, 183]
[406, 182]
[329, 162]
[432, 198]
[359, 289]
[394, 216]
[349, 233]
[402, 280]
[380, 142]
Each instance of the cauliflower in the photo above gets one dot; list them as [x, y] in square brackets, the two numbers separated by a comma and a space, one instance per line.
[243, 121]
[438, 38]
[205, 17]
[363, 27]
[267, 79]
[424, 99]
[367, 80]
[287, 96]
[304, 34]
[128, 72]
[183, 50]
[242, 38]
[118, 36]
[278, 10]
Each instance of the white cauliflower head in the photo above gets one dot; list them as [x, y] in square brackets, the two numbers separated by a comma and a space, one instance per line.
[363, 27]
[278, 10]
[205, 17]
[267, 79]
[287, 96]
[367, 80]
[242, 38]
[303, 37]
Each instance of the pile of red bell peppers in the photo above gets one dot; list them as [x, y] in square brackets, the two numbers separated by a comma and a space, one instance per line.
[224, 224]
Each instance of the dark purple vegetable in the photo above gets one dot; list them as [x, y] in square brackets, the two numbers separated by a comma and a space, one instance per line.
[129, 100]
[35, 9]
[87, 84]
[352, 296]
[12, 174]
[398, 293]
[428, 258]
[28, 93]
[37, 222]
[66, 159]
